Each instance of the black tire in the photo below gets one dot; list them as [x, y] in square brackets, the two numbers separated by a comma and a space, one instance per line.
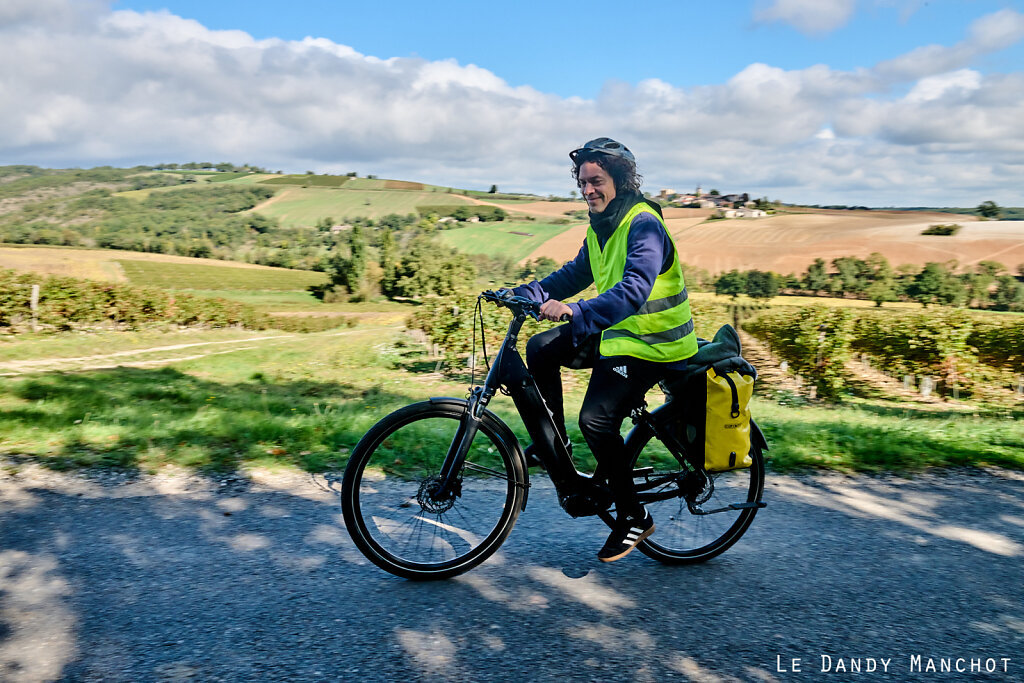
[680, 536]
[385, 492]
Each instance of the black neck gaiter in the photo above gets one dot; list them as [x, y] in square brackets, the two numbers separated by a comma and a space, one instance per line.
[604, 223]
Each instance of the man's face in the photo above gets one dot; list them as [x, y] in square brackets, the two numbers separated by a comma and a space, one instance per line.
[596, 186]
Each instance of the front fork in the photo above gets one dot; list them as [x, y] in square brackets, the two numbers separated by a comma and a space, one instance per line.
[455, 458]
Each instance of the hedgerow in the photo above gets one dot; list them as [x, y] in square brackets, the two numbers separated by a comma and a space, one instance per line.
[67, 303]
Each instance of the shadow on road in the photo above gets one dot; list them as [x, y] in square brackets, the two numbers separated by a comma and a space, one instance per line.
[186, 578]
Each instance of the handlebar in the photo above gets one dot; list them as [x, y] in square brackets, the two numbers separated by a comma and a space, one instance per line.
[505, 297]
[518, 304]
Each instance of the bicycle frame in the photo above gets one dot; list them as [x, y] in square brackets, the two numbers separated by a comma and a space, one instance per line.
[508, 369]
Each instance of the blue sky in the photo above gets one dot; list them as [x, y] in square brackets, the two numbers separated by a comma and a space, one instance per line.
[864, 102]
[572, 49]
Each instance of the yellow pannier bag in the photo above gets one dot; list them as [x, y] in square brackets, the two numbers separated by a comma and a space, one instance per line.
[711, 399]
[727, 421]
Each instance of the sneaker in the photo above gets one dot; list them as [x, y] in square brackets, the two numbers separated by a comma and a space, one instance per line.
[625, 536]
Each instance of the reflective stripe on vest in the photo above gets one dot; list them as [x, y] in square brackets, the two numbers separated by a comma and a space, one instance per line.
[662, 329]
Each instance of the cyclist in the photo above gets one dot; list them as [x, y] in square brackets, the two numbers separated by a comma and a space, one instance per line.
[636, 330]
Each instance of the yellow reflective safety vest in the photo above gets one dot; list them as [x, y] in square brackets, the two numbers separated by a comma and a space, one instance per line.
[662, 329]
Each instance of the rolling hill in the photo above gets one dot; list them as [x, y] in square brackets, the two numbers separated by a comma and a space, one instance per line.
[785, 243]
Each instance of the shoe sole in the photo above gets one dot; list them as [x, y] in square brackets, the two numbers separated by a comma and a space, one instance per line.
[630, 549]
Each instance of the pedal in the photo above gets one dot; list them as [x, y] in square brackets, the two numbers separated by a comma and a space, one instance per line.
[749, 506]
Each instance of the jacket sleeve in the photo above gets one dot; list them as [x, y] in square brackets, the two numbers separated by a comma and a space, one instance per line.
[646, 255]
[570, 279]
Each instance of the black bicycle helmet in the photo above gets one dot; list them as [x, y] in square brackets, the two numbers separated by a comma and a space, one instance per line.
[604, 146]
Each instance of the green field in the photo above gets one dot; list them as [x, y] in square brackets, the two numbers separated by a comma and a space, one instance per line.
[310, 180]
[502, 238]
[305, 400]
[304, 207]
[189, 276]
[250, 178]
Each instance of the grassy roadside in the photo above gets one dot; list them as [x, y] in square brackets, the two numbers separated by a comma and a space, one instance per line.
[304, 402]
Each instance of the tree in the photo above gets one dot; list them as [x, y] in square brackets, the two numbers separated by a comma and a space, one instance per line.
[538, 269]
[731, 284]
[937, 284]
[883, 286]
[881, 291]
[1009, 294]
[816, 277]
[386, 260]
[761, 284]
[979, 283]
[494, 188]
[850, 272]
[346, 274]
[714, 193]
[989, 209]
[427, 267]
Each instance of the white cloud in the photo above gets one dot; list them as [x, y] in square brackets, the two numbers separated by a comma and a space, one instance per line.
[80, 85]
[963, 82]
[988, 34]
[814, 17]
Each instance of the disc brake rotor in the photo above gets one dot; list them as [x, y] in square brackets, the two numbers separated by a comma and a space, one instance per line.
[429, 502]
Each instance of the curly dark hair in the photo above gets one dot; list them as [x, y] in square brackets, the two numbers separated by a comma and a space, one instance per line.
[622, 171]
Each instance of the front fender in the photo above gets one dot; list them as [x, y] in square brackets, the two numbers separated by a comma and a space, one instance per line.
[499, 427]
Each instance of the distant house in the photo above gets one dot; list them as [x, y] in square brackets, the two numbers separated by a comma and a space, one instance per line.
[666, 193]
[335, 229]
[747, 212]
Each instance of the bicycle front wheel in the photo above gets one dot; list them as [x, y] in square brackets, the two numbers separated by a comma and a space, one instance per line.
[685, 534]
[387, 492]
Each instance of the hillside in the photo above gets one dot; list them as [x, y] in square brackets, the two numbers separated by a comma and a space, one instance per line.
[111, 265]
[271, 217]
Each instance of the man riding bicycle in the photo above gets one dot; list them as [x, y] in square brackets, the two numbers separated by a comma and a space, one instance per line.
[632, 334]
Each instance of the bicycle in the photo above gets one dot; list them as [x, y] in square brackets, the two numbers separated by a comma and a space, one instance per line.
[434, 488]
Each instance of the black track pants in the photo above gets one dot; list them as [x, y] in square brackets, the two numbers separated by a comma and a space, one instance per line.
[617, 386]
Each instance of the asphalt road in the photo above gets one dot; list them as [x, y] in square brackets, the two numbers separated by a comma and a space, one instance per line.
[176, 578]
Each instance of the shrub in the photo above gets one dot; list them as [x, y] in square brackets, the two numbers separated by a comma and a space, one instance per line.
[946, 229]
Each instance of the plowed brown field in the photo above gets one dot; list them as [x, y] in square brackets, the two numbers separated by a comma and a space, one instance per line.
[95, 264]
[788, 243]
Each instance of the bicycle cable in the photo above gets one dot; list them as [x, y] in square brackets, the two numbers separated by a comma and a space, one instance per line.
[478, 314]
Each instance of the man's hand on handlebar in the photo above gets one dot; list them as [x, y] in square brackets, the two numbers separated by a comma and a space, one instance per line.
[555, 311]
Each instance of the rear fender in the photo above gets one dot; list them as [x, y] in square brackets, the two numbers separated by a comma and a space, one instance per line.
[757, 436]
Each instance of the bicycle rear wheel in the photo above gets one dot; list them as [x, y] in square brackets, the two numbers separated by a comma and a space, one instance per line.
[387, 492]
[683, 536]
